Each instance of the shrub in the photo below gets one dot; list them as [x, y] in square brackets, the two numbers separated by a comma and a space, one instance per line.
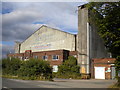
[31, 69]
[69, 69]
[11, 66]
[35, 68]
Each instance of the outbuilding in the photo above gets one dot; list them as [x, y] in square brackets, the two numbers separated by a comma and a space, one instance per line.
[103, 68]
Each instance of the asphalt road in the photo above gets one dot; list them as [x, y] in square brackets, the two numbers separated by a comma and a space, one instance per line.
[57, 83]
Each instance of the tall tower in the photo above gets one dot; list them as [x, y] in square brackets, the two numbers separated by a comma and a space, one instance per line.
[90, 44]
[83, 40]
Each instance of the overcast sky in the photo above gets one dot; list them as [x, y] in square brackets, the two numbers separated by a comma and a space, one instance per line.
[21, 19]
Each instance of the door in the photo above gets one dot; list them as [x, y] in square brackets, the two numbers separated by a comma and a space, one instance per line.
[99, 72]
[55, 68]
[113, 72]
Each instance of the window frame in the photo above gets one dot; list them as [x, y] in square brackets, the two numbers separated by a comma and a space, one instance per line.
[55, 58]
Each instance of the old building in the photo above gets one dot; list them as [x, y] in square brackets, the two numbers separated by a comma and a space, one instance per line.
[90, 45]
[48, 44]
[55, 46]
[103, 68]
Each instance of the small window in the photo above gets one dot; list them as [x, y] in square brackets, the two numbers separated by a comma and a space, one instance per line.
[45, 57]
[55, 57]
[35, 57]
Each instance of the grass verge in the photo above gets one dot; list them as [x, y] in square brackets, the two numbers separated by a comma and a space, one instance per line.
[116, 85]
[26, 78]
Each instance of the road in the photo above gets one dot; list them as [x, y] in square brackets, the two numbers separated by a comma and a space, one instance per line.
[57, 83]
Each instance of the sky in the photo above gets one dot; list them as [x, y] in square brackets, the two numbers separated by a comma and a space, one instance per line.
[21, 19]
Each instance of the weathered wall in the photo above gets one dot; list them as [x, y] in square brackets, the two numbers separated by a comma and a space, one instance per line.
[47, 38]
[97, 47]
[90, 45]
[82, 40]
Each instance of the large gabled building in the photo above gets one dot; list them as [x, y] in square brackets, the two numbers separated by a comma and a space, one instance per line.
[48, 44]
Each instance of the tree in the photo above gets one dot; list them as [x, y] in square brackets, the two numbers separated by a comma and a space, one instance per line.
[106, 16]
[69, 68]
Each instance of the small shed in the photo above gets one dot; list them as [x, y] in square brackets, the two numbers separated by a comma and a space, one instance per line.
[103, 68]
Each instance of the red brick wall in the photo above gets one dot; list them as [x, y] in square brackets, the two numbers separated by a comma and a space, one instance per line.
[73, 53]
[49, 55]
[62, 54]
[104, 60]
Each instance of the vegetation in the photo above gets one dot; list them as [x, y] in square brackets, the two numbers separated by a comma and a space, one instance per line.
[69, 69]
[11, 67]
[116, 85]
[106, 16]
[31, 69]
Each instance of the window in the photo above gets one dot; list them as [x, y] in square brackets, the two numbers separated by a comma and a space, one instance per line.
[45, 57]
[55, 57]
[55, 68]
[35, 57]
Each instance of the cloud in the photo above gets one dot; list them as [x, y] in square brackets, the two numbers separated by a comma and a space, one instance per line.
[6, 49]
[21, 19]
[19, 23]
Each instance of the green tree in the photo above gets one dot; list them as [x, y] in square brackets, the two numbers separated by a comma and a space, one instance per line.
[69, 68]
[106, 16]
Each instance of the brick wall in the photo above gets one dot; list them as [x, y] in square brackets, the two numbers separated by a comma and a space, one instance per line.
[62, 55]
[73, 53]
[49, 54]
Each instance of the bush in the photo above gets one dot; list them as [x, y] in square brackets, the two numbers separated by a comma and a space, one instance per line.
[31, 69]
[69, 69]
[117, 65]
[35, 68]
[11, 66]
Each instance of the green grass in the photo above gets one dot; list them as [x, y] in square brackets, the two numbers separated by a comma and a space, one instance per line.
[25, 78]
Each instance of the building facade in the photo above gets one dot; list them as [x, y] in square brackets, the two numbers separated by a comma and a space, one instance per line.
[55, 46]
[48, 44]
[103, 68]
